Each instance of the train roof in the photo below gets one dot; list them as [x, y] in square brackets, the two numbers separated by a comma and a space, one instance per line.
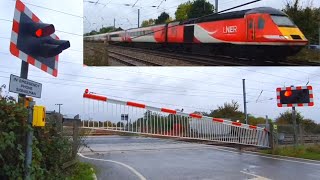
[238, 14]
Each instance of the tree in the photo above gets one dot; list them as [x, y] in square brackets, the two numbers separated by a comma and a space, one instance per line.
[146, 23]
[200, 8]
[228, 110]
[162, 18]
[183, 11]
[299, 15]
[106, 29]
[286, 118]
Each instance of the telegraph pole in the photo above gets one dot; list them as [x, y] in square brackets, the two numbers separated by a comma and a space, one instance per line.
[138, 18]
[244, 99]
[114, 24]
[59, 106]
[216, 6]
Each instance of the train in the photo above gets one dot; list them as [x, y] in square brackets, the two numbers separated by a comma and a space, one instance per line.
[262, 32]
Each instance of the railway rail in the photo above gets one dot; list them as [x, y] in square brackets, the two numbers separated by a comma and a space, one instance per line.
[215, 60]
[129, 60]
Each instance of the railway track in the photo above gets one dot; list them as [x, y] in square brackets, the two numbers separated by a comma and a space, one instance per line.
[129, 60]
[213, 60]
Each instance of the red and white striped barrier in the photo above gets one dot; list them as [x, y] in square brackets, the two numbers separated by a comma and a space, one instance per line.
[168, 122]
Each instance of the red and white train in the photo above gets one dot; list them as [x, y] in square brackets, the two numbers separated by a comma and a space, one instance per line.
[257, 32]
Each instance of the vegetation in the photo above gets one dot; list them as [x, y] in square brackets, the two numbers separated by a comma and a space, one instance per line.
[104, 30]
[232, 111]
[50, 148]
[146, 23]
[306, 18]
[81, 171]
[309, 125]
[163, 18]
[306, 54]
[194, 9]
[306, 152]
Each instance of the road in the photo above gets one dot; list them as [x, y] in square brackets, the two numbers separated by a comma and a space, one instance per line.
[156, 159]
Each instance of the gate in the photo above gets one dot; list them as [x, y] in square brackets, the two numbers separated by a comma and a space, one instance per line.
[132, 117]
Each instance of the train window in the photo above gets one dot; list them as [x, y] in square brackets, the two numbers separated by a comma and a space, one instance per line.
[261, 23]
[283, 21]
[250, 24]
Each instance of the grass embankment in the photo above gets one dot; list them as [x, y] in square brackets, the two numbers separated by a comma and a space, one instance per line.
[95, 54]
[81, 171]
[306, 55]
[306, 152]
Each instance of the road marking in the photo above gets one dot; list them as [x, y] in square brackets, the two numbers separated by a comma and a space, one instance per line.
[289, 160]
[256, 176]
[141, 177]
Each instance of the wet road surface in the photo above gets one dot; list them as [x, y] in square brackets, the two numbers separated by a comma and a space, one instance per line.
[120, 157]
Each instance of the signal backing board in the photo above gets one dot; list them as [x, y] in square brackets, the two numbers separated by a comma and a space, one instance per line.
[22, 13]
[295, 96]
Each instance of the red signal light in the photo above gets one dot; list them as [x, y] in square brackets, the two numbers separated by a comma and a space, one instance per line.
[287, 93]
[39, 33]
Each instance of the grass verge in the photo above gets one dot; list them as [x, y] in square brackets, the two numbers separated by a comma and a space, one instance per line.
[81, 171]
[306, 152]
[306, 55]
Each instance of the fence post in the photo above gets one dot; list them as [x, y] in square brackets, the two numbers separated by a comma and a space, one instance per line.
[75, 137]
[271, 137]
[301, 133]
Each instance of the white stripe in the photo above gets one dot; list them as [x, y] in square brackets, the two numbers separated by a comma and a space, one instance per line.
[37, 64]
[256, 176]
[49, 70]
[140, 176]
[23, 56]
[14, 37]
[28, 12]
[17, 15]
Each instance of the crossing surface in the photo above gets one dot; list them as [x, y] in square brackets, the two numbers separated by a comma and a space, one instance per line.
[154, 159]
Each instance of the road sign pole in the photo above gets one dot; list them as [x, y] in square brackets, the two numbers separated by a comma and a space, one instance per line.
[28, 161]
[294, 126]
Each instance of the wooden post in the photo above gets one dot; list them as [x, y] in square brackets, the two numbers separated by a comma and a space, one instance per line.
[301, 133]
[75, 137]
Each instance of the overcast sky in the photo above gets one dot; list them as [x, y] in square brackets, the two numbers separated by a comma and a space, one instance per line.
[102, 13]
[191, 88]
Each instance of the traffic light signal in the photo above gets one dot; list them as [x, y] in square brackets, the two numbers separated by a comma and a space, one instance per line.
[295, 96]
[34, 41]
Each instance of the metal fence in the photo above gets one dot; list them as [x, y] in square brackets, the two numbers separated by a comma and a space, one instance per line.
[285, 134]
[132, 117]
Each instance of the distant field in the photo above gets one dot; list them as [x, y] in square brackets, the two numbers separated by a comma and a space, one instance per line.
[95, 54]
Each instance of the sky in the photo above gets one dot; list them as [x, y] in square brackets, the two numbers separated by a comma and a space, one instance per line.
[103, 13]
[190, 88]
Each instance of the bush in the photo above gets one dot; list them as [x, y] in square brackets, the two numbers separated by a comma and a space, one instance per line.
[50, 148]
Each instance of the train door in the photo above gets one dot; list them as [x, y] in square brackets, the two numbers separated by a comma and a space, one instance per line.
[250, 28]
[188, 34]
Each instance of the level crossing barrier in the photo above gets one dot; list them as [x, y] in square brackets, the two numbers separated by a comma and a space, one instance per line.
[133, 117]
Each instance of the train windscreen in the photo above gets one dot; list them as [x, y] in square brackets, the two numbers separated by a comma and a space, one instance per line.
[283, 21]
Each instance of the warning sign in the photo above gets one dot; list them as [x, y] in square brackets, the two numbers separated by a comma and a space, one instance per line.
[24, 86]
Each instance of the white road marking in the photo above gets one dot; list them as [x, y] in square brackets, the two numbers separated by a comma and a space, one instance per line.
[256, 176]
[141, 177]
[281, 159]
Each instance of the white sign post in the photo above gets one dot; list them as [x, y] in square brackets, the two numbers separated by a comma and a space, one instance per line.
[24, 86]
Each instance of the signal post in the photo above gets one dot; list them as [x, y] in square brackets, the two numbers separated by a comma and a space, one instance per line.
[295, 97]
[35, 43]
